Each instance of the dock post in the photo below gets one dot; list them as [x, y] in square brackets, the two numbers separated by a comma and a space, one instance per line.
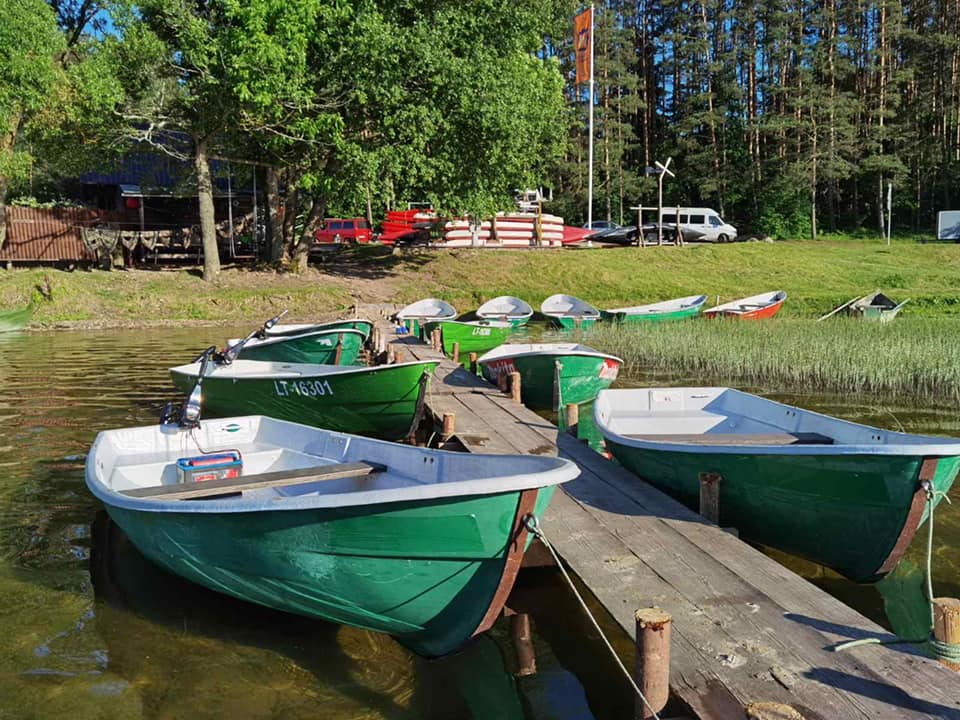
[572, 418]
[456, 352]
[710, 496]
[339, 354]
[515, 386]
[390, 356]
[449, 426]
[398, 356]
[473, 363]
[946, 626]
[523, 642]
[502, 381]
[653, 660]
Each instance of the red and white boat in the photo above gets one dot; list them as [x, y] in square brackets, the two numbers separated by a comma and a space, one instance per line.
[755, 307]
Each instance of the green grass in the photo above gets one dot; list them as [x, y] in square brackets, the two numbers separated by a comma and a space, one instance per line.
[909, 358]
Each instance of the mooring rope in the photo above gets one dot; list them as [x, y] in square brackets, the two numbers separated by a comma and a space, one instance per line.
[940, 650]
[533, 525]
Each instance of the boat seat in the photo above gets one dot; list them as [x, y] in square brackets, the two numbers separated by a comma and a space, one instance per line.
[235, 486]
[800, 438]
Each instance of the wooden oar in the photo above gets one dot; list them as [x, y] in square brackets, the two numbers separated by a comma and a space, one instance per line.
[847, 304]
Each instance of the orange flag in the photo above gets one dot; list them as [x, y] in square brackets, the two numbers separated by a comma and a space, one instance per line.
[582, 31]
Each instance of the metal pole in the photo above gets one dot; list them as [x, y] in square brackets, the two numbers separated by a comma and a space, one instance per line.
[660, 209]
[590, 142]
[233, 249]
[889, 209]
[256, 220]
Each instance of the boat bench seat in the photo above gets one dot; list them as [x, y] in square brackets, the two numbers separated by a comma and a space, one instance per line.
[800, 438]
[234, 486]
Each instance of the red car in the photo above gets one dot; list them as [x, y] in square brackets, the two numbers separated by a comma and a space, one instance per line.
[343, 230]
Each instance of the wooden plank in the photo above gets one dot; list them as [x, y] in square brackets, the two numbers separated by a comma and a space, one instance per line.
[279, 478]
[804, 438]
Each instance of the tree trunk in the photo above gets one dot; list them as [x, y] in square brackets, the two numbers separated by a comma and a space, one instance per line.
[208, 230]
[6, 147]
[300, 252]
[274, 221]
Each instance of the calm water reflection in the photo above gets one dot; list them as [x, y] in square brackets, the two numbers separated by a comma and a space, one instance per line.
[92, 630]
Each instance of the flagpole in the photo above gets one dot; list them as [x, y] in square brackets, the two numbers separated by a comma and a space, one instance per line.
[590, 141]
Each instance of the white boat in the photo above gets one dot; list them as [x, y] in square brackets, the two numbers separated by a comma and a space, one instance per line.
[415, 315]
[568, 311]
[422, 544]
[845, 495]
[506, 307]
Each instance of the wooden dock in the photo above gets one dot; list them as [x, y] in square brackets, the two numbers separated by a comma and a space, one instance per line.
[748, 634]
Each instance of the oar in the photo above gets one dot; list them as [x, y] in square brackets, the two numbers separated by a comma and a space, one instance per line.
[231, 353]
[847, 304]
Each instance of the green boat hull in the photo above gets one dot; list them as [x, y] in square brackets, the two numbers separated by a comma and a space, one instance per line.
[572, 323]
[470, 338]
[364, 326]
[425, 572]
[843, 511]
[317, 348]
[12, 320]
[379, 402]
[580, 378]
[684, 314]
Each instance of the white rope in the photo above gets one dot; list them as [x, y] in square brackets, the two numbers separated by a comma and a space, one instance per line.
[533, 525]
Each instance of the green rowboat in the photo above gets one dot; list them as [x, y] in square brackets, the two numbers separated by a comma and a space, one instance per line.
[380, 401]
[477, 336]
[421, 544]
[845, 495]
[11, 320]
[582, 372]
[289, 329]
[323, 347]
[679, 309]
[568, 312]
[506, 308]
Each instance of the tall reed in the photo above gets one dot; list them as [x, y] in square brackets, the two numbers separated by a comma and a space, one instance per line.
[910, 357]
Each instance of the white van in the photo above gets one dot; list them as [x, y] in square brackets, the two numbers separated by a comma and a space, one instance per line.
[701, 220]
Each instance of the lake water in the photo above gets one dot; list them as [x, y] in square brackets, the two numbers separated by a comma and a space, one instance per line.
[92, 630]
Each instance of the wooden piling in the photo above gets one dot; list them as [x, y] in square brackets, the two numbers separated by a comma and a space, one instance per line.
[473, 363]
[515, 386]
[398, 355]
[946, 625]
[710, 496]
[572, 418]
[456, 352]
[502, 381]
[339, 353]
[390, 355]
[449, 426]
[653, 660]
[523, 642]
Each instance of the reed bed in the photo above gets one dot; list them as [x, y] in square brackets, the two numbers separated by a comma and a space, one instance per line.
[917, 358]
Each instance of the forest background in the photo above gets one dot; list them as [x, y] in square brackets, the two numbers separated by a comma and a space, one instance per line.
[790, 117]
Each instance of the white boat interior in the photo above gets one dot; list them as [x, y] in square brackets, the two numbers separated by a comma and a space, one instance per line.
[721, 420]
[134, 459]
[567, 305]
[428, 309]
[744, 305]
[505, 306]
[511, 350]
[661, 307]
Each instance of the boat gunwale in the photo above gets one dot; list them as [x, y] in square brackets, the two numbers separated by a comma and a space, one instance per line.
[937, 449]
[556, 471]
[589, 310]
[735, 307]
[590, 352]
[327, 370]
[483, 322]
[664, 305]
